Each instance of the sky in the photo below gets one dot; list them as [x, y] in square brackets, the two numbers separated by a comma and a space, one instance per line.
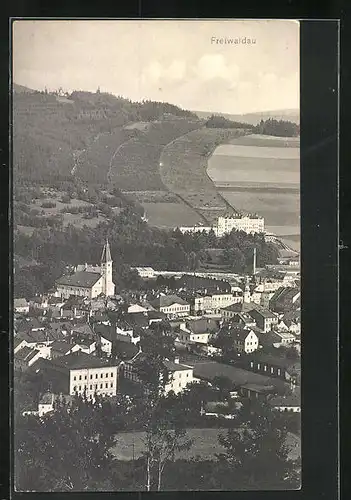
[181, 62]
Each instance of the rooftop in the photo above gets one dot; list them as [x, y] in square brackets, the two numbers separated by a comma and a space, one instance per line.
[168, 300]
[20, 303]
[176, 367]
[209, 370]
[80, 360]
[81, 278]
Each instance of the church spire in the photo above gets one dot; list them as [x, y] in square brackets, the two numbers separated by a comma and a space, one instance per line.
[106, 253]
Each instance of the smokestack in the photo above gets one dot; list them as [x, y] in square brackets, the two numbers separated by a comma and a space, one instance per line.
[254, 262]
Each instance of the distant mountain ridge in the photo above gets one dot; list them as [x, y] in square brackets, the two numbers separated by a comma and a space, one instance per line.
[292, 115]
[21, 89]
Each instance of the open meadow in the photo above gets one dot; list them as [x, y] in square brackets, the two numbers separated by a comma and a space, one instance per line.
[205, 446]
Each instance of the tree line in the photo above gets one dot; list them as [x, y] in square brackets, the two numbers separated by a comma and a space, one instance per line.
[279, 128]
[133, 243]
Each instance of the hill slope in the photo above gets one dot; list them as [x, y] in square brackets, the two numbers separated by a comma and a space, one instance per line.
[292, 115]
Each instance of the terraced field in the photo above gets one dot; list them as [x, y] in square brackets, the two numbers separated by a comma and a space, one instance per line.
[261, 174]
[135, 166]
[183, 169]
[94, 163]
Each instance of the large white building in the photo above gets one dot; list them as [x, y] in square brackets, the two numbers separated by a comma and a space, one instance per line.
[89, 281]
[239, 222]
[87, 373]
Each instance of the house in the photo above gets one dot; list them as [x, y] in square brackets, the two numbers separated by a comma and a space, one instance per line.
[222, 300]
[244, 340]
[257, 391]
[105, 336]
[287, 403]
[86, 283]
[286, 338]
[275, 366]
[82, 333]
[25, 357]
[171, 305]
[59, 348]
[136, 308]
[265, 319]
[197, 330]
[138, 320]
[46, 404]
[180, 376]
[39, 302]
[285, 299]
[79, 373]
[269, 340]
[127, 334]
[242, 319]
[21, 306]
[30, 325]
[156, 317]
[291, 322]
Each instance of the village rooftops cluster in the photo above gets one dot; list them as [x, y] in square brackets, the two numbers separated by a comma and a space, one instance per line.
[246, 329]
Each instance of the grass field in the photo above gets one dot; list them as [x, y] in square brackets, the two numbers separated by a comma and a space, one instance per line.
[261, 174]
[169, 215]
[205, 444]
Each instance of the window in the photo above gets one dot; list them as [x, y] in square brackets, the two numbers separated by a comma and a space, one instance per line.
[80, 387]
[96, 386]
[106, 385]
[180, 384]
[265, 368]
[80, 377]
[278, 371]
[85, 377]
[90, 387]
[111, 384]
[75, 388]
[106, 375]
[91, 396]
[272, 369]
[91, 377]
[111, 374]
[101, 386]
[258, 366]
[96, 375]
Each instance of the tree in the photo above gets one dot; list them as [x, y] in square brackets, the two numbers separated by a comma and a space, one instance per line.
[160, 418]
[68, 450]
[256, 450]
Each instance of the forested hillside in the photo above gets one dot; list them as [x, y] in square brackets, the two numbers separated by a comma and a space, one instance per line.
[51, 131]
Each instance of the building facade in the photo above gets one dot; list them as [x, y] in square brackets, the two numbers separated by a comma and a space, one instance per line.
[247, 223]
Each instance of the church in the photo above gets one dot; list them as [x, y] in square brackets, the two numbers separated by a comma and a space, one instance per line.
[89, 281]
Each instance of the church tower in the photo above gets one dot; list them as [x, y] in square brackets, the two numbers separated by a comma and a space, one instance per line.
[106, 271]
[247, 294]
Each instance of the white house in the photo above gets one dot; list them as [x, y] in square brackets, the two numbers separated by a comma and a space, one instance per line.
[171, 305]
[197, 330]
[21, 306]
[136, 308]
[180, 376]
[244, 340]
[46, 404]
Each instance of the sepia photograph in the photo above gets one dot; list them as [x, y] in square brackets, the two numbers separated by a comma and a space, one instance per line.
[156, 308]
